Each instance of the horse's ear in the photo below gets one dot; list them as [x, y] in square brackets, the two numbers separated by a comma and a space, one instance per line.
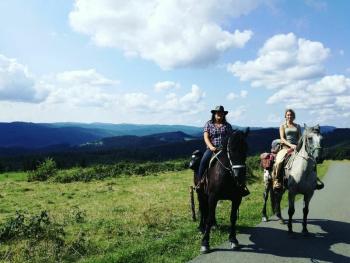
[317, 128]
[246, 131]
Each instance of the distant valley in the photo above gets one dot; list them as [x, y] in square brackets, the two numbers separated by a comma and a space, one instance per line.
[74, 144]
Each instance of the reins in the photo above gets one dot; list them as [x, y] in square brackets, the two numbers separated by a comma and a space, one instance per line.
[232, 167]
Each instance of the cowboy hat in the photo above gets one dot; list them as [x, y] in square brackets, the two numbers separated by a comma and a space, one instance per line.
[219, 109]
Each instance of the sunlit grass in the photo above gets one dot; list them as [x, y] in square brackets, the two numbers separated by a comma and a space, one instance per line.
[125, 219]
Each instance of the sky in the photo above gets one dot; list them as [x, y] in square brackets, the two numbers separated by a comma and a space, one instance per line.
[173, 61]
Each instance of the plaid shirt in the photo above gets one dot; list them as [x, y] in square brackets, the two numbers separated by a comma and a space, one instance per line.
[217, 135]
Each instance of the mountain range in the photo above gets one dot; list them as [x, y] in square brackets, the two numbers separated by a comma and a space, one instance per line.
[71, 144]
[41, 135]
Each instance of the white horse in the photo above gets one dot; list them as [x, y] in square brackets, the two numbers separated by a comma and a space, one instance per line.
[301, 172]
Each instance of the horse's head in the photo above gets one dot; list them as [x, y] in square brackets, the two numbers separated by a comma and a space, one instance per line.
[313, 142]
[237, 149]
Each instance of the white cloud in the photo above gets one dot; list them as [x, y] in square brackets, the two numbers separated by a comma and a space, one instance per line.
[243, 93]
[294, 69]
[81, 88]
[237, 114]
[170, 33]
[284, 60]
[18, 84]
[274, 118]
[317, 4]
[85, 77]
[165, 85]
[191, 102]
[343, 102]
[232, 96]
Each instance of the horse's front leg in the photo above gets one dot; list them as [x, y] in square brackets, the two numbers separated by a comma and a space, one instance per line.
[212, 202]
[278, 194]
[307, 199]
[234, 209]
[291, 210]
[203, 210]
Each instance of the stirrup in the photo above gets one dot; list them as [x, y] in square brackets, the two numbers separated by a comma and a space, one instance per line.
[319, 186]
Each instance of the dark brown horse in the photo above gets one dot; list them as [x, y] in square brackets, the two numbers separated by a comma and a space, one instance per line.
[222, 183]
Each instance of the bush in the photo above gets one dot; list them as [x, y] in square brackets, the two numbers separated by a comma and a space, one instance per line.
[39, 238]
[100, 172]
[44, 171]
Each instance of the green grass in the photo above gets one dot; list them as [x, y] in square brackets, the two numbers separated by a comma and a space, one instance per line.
[13, 176]
[123, 219]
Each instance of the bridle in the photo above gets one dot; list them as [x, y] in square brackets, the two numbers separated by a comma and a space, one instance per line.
[310, 149]
[233, 168]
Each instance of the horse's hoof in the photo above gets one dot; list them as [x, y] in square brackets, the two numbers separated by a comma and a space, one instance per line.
[290, 232]
[305, 232]
[204, 249]
[264, 219]
[280, 219]
[235, 245]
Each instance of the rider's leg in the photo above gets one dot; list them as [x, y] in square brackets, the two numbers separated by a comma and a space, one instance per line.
[319, 183]
[204, 163]
[242, 178]
[277, 167]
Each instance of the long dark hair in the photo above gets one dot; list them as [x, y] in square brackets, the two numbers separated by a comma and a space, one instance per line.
[213, 118]
[291, 111]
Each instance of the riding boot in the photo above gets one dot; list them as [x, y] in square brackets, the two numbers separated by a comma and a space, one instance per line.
[319, 184]
[241, 183]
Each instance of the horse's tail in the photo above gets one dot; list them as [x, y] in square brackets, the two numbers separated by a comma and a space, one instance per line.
[193, 209]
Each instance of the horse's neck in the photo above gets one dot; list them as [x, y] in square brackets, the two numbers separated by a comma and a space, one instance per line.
[302, 158]
[302, 151]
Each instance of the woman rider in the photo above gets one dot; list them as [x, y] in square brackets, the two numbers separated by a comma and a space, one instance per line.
[216, 131]
[290, 133]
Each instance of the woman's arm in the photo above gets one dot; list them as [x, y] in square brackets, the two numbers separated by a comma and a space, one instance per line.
[283, 138]
[208, 142]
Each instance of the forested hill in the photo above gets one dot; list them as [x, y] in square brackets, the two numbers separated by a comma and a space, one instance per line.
[39, 135]
[154, 147]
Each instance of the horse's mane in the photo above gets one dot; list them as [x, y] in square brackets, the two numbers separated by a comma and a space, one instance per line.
[300, 141]
[237, 138]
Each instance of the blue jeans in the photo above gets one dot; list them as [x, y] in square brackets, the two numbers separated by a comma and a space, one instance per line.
[204, 163]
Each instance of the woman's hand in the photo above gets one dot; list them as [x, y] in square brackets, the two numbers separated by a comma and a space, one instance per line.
[293, 146]
[212, 148]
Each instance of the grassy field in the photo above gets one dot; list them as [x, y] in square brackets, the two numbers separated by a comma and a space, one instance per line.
[124, 219]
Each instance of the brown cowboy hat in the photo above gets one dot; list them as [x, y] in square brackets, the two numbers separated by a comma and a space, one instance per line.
[219, 109]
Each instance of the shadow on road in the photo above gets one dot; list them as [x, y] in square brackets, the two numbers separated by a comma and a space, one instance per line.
[330, 242]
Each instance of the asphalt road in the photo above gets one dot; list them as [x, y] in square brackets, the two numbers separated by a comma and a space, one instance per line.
[328, 224]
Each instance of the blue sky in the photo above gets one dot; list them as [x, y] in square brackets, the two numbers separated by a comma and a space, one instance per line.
[171, 62]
